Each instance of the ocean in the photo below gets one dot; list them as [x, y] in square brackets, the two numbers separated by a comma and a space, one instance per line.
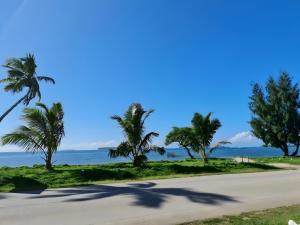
[83, 157]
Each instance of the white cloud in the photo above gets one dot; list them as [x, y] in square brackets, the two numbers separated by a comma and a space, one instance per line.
[10, 148]
[245, 139]
[89, 145]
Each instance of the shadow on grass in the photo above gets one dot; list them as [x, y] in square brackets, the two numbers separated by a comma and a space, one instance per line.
[217, 168]
[95, 174]
[143, 194]
[24, 184]
[260, 166]
[194, 169]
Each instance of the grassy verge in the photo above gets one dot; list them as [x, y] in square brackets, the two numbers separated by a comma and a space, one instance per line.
[275, 216]
[31, 178]
[289, 160]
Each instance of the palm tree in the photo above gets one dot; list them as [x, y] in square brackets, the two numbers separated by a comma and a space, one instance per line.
[204, 129]
[184, 137]
[43, 131]
[136, 145]
[198, 137]
[22, 74]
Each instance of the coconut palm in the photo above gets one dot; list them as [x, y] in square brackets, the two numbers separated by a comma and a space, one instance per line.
[137, 143]
[21, 74]
[43, 131]
[204, 129]
[184, 137]
[197, 138]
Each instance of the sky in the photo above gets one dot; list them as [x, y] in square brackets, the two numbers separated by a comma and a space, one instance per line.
[177, 57]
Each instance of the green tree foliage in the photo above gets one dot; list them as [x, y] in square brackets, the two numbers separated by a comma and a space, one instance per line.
[275, 117]
[43, 131]
[137, 144]
[21, 74]
[184, 137]
[197, 138]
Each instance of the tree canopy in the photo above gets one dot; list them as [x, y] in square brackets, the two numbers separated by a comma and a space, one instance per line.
[42, 132]
[275, 117]
[198, 137]
[21, 74]
[137, 143]
[184, 137]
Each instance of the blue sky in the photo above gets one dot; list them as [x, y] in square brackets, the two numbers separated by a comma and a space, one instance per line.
[178, 57]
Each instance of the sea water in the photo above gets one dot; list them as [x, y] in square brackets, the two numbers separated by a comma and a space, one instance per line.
[80, 157]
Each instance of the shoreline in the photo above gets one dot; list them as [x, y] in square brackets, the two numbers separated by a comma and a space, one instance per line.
[31, 178]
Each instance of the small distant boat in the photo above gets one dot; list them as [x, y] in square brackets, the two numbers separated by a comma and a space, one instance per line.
[171, 155]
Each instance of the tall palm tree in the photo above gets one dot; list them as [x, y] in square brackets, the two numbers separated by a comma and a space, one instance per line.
[204, 129]
[43, 131]
[136, 145]
[21, 74]
[198, 137]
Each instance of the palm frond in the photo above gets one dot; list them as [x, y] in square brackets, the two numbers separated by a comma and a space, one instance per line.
[218, 145]
[123, 150]
[43, 106]
[23, 137]
[37, 120]
[14, 64]
[117, 118]
[147, 114]
[14, 86]
[46, 79]
[148, 139]
[14, 73]
[29, 64]
[159, 150]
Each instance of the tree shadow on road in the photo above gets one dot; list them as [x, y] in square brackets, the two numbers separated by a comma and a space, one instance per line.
[2, 196]
[144, 194]
[23, 184]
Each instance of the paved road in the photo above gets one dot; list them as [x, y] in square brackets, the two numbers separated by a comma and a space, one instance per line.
[155, 202]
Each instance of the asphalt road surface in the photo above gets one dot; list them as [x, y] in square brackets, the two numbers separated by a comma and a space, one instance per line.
[158, 202]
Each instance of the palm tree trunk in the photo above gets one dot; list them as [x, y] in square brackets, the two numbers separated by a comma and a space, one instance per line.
[285, 150]
[48, 165]
[48, 161]
[136, 162]
[203, 156]
[297, 149]
[11, 108]
[189, 153]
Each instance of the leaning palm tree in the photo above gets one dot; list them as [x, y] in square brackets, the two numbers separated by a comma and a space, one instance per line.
[136, 145]
[43, 131]
[184, 136]
[197, 138]
[21, 74]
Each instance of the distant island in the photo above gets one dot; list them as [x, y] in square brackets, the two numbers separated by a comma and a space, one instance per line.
[105, 148]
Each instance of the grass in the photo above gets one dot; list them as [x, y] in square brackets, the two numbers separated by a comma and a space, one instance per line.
[36, 177]
[286, 159]
[275, 216]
